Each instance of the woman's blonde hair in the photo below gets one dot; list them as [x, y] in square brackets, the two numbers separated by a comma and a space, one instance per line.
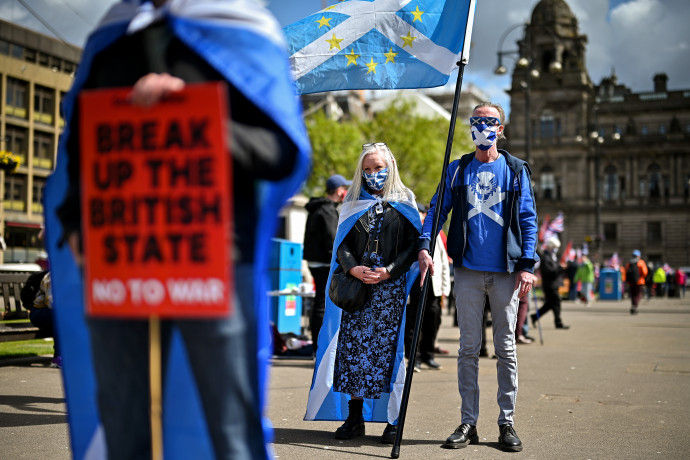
[393, 188]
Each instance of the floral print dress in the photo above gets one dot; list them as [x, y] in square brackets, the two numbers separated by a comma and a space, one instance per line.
[367, 338]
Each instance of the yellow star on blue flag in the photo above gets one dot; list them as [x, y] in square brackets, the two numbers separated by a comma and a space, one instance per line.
[416, 43]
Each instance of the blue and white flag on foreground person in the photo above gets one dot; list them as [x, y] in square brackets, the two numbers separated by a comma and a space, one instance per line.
[246, 46]
[324, 403]
[380, 44]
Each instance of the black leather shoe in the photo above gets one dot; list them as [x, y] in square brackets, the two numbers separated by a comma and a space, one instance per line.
[508, 440]
[562, 326]
[350, 429]
[431, 363]
[533, 317]
[462, 436]
[389, 433]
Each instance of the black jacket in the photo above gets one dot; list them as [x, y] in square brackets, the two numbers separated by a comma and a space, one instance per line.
[551, 271]
[397, 243]
[320, 230]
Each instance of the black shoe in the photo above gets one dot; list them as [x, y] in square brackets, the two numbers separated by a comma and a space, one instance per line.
[431, 363]
[462, 436]
[633, 311]
[350, 429]
[483, 354]
[354, 424]
[533, 317]
[508, 440]
[562, 326]
[389, 434]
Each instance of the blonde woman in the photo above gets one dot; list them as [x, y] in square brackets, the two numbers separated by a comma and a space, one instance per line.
[360, 355]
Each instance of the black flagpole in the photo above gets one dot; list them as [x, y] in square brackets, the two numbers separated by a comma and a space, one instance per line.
[395, 453]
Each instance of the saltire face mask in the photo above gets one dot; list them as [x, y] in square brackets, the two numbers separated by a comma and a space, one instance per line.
[483, 131]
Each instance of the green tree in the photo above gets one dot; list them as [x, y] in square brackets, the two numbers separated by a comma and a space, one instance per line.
[335, 149]
[418, 144]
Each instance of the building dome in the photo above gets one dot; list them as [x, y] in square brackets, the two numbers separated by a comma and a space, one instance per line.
[555, 15]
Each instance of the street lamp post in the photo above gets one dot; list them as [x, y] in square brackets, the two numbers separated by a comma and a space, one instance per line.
[598, 140]
[524, 61]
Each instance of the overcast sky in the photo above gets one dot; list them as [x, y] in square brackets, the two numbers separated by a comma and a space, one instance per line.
[637, 38]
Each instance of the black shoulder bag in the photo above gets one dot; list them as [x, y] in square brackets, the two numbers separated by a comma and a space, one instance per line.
[348, 292]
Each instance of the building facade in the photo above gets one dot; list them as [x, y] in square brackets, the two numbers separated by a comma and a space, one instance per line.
[615, 162]
[35, 73]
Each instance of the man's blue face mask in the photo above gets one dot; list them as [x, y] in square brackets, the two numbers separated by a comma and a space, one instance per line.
[484, 131]
[376, 180]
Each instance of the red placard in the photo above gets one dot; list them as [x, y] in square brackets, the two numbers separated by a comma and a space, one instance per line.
[156, 204]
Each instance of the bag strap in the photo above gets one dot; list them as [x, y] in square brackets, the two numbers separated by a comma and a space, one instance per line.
[373, 241]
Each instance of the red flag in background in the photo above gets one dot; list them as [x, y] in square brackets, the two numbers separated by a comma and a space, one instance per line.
[568, 253]
[543, 228]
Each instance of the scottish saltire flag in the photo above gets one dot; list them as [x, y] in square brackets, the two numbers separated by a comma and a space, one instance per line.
[324, 403]
[245, 44]
[380, 44]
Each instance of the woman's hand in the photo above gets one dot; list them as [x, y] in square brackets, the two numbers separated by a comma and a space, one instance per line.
[369, 275]
[153, 87]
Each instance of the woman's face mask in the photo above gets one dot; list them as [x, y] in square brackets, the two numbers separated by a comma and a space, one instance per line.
[376, 180]
[484, 131]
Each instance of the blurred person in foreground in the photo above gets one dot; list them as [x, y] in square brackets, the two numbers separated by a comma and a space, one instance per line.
[157, 48]
[492, 240]
[360, 357]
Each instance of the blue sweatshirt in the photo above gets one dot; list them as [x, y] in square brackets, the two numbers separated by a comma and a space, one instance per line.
[517, 218]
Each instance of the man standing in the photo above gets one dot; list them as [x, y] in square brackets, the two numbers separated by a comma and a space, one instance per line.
[492, 240]
[551, 280]
[635, 276]
[319, 234]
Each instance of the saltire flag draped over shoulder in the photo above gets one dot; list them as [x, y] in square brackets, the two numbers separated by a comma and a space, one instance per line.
[324, 402]
[246, 46]
[380, 44]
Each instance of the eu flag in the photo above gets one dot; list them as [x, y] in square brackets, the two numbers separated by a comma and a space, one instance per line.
[380, 44]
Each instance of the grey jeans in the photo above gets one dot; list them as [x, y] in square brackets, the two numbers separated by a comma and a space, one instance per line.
[471, 289]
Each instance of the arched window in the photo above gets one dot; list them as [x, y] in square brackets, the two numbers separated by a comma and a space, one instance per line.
[654, 180]
[548, 183]
[611, 191]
